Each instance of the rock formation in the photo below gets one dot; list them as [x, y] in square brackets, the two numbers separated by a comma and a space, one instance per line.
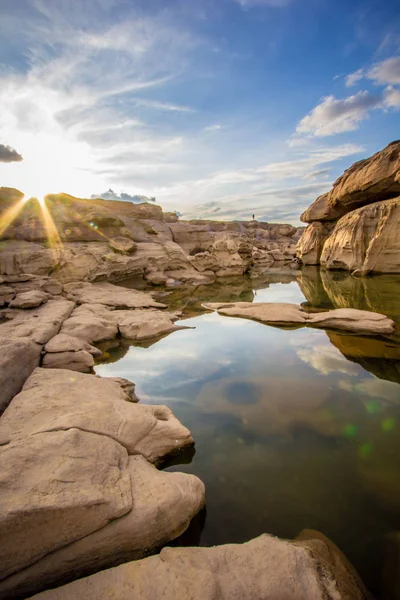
[356, 225]
[310, 568]
[75, 239]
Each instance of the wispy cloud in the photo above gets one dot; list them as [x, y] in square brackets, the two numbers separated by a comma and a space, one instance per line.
[333, 115]
[268, 3]
[211, 128]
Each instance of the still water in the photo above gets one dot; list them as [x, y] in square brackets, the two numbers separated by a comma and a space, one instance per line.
[294, 428]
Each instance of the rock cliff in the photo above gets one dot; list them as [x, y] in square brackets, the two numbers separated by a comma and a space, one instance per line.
[355, 226]
[77, 239]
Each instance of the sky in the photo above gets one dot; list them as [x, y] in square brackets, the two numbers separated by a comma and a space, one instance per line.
[219, 109]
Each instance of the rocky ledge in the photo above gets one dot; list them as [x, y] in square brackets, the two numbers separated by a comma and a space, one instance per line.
[356, 225]
[75, 239]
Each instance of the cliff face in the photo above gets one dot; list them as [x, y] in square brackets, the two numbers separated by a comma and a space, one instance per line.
[356, 225]
[77, 239]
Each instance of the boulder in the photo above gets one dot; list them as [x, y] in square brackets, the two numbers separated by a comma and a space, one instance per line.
[6, 294]
[75, 361]
[52, 399]
[311, 243]
[18, 358]
[57, 487]
[344, 319]
[91, 323]
[266, 567]
[30, 299]
[39, 324]
[63, 342]
[145, 324]
[367, 239]
[123, 245]
[163, 506]
[365, 182]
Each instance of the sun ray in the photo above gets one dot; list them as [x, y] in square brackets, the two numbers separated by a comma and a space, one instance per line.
[7, 218]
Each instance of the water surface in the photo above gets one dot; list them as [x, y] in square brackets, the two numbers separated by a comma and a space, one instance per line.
[294, 428]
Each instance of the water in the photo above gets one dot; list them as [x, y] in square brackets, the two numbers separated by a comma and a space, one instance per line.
[290, 434]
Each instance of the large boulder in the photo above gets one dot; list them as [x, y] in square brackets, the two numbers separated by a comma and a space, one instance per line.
[367, 239]
[109, 295]
[311, 568]
[311, 243]
[52, 400]
[39, 324]
[57, 487]
[366, 181]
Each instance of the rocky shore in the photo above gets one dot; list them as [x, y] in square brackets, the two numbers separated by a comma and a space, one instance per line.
[80, 479]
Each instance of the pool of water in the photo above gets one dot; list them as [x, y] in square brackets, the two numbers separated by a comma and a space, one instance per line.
[294, 428]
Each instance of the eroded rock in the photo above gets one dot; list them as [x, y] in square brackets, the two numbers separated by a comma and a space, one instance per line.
[30, 299]
[18, 358]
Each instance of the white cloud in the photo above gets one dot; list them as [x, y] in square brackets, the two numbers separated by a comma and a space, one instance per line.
[391, 97]
[386, 72]
[212, 128]
[354, 77]
[333, 116]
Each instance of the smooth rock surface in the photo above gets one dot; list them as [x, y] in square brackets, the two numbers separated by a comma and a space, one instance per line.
[18, 358]
[163, 506]
[345, 319]
[145, 324]
[264, 568]
[75, 361]
[110, 295]
[55, 488]
[30, 299]
[57, 399]
[67, 343]
[91, 323]
[39, 324]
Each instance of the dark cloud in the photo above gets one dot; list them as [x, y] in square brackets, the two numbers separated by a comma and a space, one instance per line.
[111, 195]
[8, 154]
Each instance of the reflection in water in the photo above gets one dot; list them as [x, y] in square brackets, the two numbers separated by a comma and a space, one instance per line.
[294, 428]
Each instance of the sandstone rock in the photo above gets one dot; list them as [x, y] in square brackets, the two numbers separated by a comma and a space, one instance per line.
[92, 323]
[75, 361]
[365, 182]
[143, 324]
[52, 287]
[52, 399]
[56, 488]
[367, 238]
[123, 245]
[40, 324]
[311, 243]
[128, 388]
[6, 294]
[66, 343]
[29, 299]
[348, 319]
[345, 319]
[279, 314]
[163, 505]
[110, 295]
[265, 567]
[18, 358]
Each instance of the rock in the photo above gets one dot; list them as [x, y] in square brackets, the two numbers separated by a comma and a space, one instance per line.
[29, 299]
[58, 487]
[367, 238]
[18, 358]
[311, 243]
[320, 210]
[123, 245]
[144, 324]
[52, 287]
[52, 399]
[110, 295]
[345, 319]
[66, 343]
[265, 567]
[128, 388]
[349, 319]
[75, 361]
[365, 182]
[163, 506]
[92, 323]
[39, 324]
[6, 294]
[270, 313]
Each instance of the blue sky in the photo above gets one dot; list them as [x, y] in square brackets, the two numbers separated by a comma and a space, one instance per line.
[218, 108]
